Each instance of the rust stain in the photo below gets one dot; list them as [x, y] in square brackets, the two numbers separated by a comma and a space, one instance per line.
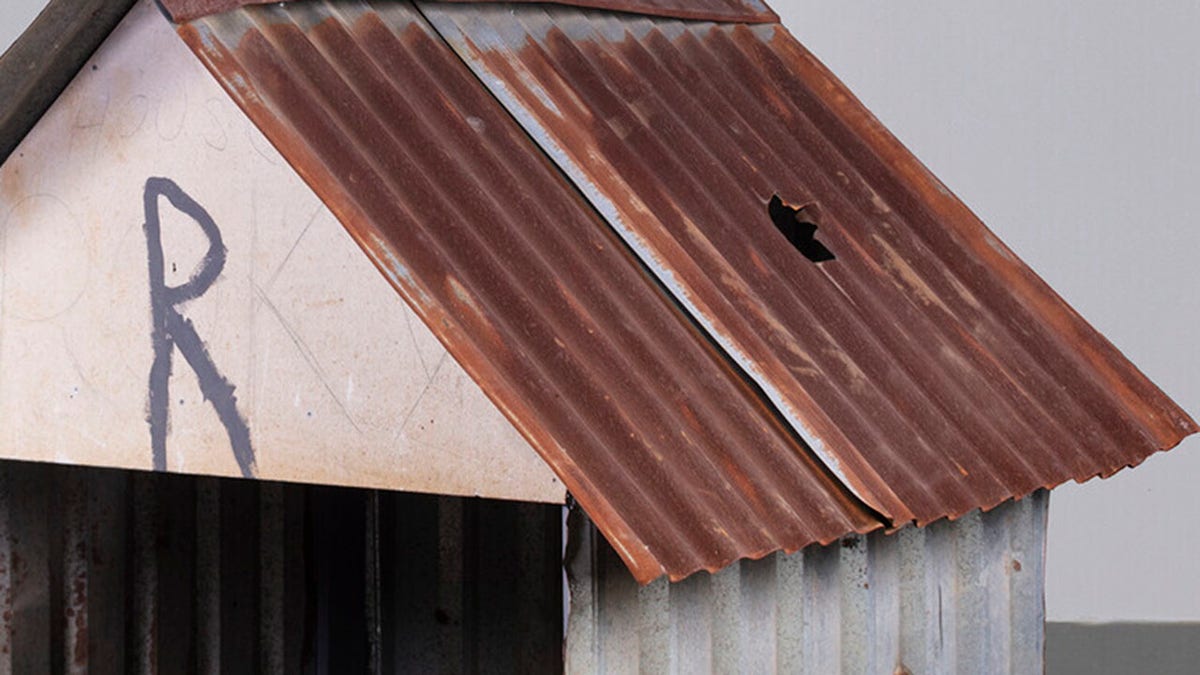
[13, 187]
[908, 278]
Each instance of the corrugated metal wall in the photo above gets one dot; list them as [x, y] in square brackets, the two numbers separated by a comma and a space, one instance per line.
[115, 571]
[955, 597]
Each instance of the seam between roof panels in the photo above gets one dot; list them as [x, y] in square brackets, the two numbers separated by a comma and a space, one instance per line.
[663, 281]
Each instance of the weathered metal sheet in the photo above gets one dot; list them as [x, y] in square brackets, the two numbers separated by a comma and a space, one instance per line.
[931, 369]
[106, 571]
[955, 597]
[653, 432]
[748, 11]
[334, 378]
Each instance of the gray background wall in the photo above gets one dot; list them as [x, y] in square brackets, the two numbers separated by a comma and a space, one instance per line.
[1071, 127]
[15, 16]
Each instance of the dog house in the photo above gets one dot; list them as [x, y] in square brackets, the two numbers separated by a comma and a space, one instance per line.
[343, 301]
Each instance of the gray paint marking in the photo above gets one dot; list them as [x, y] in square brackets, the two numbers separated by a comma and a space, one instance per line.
[171, 329]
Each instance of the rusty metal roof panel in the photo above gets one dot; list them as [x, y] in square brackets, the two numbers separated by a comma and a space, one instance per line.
[748, 11]
[743, 11]
[930, 368]
[670, 450]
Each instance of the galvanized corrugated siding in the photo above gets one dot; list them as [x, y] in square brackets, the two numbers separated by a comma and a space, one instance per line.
[930, 368]
[749, 11]
[105, 571]
[955, 597]
[650, 428]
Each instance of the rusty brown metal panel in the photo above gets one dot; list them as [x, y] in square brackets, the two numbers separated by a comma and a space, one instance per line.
[931, 369]
[655, 433]
[747, 11]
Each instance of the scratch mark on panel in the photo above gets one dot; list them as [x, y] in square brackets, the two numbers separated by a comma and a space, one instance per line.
[295, 244]
[308, 356]
[413, 409]
[416, 347]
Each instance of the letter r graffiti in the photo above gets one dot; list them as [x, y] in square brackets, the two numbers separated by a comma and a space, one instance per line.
[172, 330]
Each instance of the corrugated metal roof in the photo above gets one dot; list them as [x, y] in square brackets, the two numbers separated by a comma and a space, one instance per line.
[655, 433]
[931, 369]
[956, 597]
[749, 11]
